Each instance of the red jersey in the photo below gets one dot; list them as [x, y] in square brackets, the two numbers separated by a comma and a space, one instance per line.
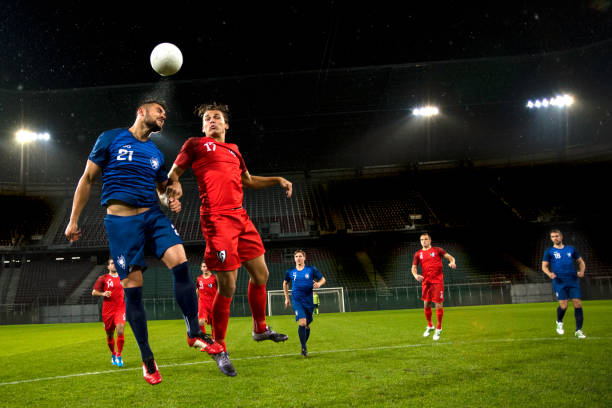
[108, 282]
[218, 167]
[431, 264]
[207, 288]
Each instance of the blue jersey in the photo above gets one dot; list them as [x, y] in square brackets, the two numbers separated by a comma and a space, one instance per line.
[562, 261]
[301, 286]
[130, 168]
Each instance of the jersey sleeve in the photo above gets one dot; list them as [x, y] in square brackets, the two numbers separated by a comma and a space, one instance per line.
[186, 155]
[99, 285]
[100, 154]
[575, 254]
[316, 274]
[441, 252]
[243, 167]
[162, 173]
[287, 276]
[546, 256]
[416, 259]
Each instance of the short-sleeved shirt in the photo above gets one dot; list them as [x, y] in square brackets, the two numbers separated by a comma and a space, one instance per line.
[218, 168]
[301, 283]
[431, 264]
[207, 289]
[130, 168]
[562, 261]
[112, 284]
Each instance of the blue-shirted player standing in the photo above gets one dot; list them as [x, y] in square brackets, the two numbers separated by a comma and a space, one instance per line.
[134, 179]
[559, 263]
[303, 279]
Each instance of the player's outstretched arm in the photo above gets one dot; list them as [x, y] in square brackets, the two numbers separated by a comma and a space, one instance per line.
[174, 187]
[286, 292]
[167, 200]
[257, 182]
[415, 274]
[81, 196]
[581, 268]
[319, 283]
[451, 260]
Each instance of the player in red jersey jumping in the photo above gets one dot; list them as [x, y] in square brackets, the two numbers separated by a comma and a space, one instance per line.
[432, 279]
[206, 289]
[231, 238]
[108, 286]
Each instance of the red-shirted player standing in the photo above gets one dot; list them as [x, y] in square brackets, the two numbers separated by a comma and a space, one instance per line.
[231, 238]
[432, 278]
[206, 289]
[113, 310]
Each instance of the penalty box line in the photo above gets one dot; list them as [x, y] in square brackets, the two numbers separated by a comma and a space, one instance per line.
[350, 350]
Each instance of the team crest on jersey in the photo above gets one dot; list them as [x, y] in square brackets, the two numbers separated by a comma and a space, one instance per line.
[221, 255]
[121, 261]
[154, 163]
[306, 276]
[433, 254]
[569, 254]
[210, 285]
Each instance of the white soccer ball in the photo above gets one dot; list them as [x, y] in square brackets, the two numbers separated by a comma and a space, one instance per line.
[166, 59]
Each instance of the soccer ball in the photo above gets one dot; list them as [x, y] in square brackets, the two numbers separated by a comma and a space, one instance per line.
[166, 59]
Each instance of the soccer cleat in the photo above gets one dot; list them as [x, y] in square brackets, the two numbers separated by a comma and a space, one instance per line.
[214, 348]
[270, 334]
[119, 361]
[114, 360]
[579, 334]
[436, 335]
[305, 352]
[200, 340]
[224, 364]
[150, 372]
[428, 331]
[560, 328]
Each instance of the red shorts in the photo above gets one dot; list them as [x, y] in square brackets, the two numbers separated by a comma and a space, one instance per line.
[230, 240]
[433, 292]
[112, 317]
[204, 310]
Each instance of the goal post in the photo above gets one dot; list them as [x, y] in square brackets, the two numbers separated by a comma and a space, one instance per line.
[331, 300]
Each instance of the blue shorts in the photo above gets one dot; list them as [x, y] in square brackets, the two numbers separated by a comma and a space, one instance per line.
[128, 237]
[567, 288]
[302, 310]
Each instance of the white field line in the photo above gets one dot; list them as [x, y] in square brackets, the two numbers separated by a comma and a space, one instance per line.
[402, 346]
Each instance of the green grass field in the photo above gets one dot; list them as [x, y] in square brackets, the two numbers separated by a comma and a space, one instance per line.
[488, 356]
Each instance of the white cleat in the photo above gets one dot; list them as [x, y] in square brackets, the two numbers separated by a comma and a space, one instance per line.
[428, 331]
[436, 335]
[560, 328]
[579, 334]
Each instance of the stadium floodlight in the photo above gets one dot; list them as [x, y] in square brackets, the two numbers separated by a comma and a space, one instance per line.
[26, 136]
[559, 101]
[426, 111]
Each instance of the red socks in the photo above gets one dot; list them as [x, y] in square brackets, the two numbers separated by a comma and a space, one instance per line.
[120, 342]
[220, 313]
[203, 328]
[439, 314]
[111, 344]
[428, 316]
[257, 301]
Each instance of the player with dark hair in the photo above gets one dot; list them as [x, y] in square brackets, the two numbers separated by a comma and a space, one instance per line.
[559, 263]
[206, 289]
[430, 259]
[108, 286]
[231, 238]
[303, 279]
[134, 180]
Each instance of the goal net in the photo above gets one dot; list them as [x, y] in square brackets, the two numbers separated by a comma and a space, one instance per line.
[331, 300]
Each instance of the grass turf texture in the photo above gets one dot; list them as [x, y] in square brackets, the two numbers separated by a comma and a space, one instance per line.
[502, 355]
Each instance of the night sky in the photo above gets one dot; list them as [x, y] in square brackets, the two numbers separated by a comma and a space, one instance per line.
[55, 46]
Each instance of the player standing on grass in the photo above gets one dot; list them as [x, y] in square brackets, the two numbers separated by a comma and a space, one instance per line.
[303, 279]
[432, 280]
[206, 289]
[559, 263]
[134, 180]
[108, 286]
[231, 238]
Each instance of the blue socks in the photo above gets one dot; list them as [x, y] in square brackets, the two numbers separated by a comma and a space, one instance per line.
[185, 295]
[307, 333]
[302, 335]
[579, 318]
[560, 313]
[137, 317]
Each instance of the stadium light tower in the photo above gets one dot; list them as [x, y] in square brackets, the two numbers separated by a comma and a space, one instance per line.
[26, 137]
[564, 102]
[427, 112]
